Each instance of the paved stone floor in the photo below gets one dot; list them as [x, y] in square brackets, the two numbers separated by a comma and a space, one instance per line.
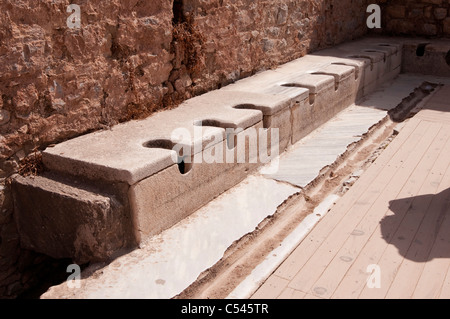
[388, 236]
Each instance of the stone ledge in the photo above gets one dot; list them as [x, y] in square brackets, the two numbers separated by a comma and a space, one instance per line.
[64, 220]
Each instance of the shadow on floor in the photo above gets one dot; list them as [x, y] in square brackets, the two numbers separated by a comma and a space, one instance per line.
[420, 226]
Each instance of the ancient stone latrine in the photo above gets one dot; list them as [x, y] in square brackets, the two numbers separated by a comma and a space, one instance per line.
[132, 58]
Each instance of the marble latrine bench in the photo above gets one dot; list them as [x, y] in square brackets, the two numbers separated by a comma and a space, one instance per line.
[109, 191]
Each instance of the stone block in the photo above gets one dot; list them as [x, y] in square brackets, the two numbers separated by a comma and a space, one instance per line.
[359, 66]
[90, 155]
[393, 60]
[372, 59]
[271, 83]
[163, 199]
[62, 220]
[396, 50]
[321, 92]
[367, 75]
[392, 74]
[345, 85]
[283, 123]
[374, 70]
[140, 156]
[302, 119]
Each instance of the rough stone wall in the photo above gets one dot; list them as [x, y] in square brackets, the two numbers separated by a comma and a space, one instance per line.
[244, 36]
[430, 18]
[128, 59]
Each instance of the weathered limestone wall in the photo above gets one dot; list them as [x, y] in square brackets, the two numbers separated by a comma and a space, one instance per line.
[128, 59]
[243, 36]
[416, 17]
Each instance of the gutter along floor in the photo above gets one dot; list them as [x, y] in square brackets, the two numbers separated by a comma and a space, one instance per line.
[387, 237]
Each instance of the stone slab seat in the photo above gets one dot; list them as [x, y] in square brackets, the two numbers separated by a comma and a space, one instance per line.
[304, 80]
[302, 87]
[345, 85]
[154, 193]
[374, 69]
[392, 46]
[393, 50]
[270, 83]
[359, 65]
[394, 59]
[373, 64]
[306, 64]
[381, 59]
[434, 60]
[163, 199]
[321, 93]
[119, 154]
